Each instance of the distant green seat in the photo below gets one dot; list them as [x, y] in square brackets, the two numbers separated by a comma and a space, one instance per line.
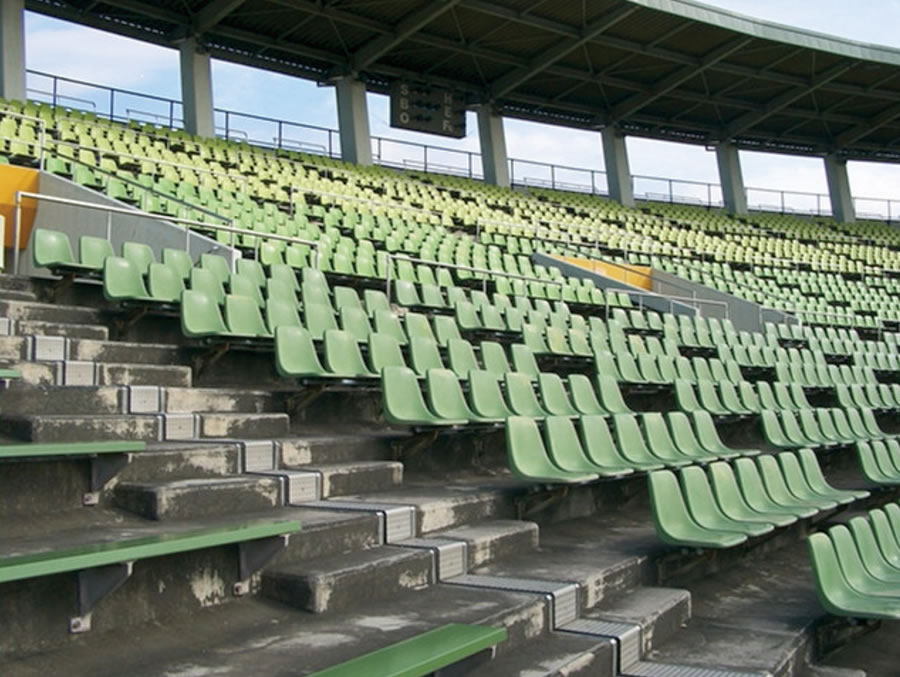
[403, 401]
[421, 655]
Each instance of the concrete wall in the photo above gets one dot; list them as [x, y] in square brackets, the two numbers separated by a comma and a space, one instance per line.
[745, 315]
[77, 221]
[639, 296]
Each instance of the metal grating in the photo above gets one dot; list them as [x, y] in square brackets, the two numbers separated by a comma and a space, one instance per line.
[259, 455]
[78, 373]
[144, 399]
[398, 522]
[452, 556]
[647, 669]
[626, 635]
[49, 348]
[179, 426]
[563, 596]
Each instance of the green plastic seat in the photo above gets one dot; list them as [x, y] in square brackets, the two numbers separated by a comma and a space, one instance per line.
[281, 313]
[164, 283]
[386, 322]
[796, 482]
[417, 324]
[217, 265]
[318, 318]
[876, 563]
[355, 322]
[567, 453]
[708, 437]
[774, 433]
[876, 463]
[281, 290]
[662, 445]
[374, 301]
[816, 480]
[403, 401]
[342, 356]
[633, 448]
[406, 295]
[733, 503]
[52, 249]
[610, 396]
[445, 330]
[554, 396]
[384, 351]
[243, 285]
[524, 360]
[139, 254]
[200, 316]
[295, 354]
[705, 510]
[485, 397]
[835, 593]
[179, 260]
[884, 535]
[461, 357]
[521, 396]
[686, 398]
[424, 354]
[94, 251]
[494, 358]
[122, 281]
[774, 481]
[757, 495]
[243, 318]
[854, 569]
[446, 398]
[251, 269]
[528, 458]
[673, 521]
[205, 281]
[584, 397]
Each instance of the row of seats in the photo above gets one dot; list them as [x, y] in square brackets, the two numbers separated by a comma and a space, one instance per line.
[856, 566]
[725, 504]
[821, 427]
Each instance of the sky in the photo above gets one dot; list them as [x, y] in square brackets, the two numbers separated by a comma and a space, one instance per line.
[84, 54]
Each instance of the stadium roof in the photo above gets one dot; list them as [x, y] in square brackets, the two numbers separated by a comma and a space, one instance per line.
[667, 69]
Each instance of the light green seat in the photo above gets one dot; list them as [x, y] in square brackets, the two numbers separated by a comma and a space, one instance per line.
[633, 448]
[705, 510]
[875, 463]
[584, 397]
[342, 356]
[708, 437]
[493, 358]
[879, 566]
[446, 398]
[421, 655]
[217, 265]
[281, 313]
[355, 322]
[384, 351]
[733, 503]
[251, 269]
[445, 330]
[403, 401]
[662, 445]
[528, 458]
[610, 396]
[424, 354]
[318, 318]
[524, 361]
[243, 285]
[206, 282]
[295, 354]
[122, 281]
[461, 357]
[836, 594]
[673, 521]
[796, 482]
[200, 316]
[521, 396]
[567, 452]
[554, 397]
[164, 283]
[485, 397]
[776, 487]
[52, 249]
[816, 480]
[179, 260]
[855, 570]
[139, 254]
[757, 495]
[386, 322]
[244, 319]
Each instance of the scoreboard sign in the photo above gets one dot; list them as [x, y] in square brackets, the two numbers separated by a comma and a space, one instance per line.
[423, 108]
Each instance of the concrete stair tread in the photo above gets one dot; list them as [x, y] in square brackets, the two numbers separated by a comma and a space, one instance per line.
[51, 312]
[298, 452]
[490, 540]
[753, 616]
[261, 637]
[67, 329]
[557, 655]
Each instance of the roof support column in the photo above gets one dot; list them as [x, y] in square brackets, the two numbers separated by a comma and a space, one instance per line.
[839, 187]
[12, 49]
[618, 173]
[731, 176]
[196, 90]
[353, 121]
[494, 162]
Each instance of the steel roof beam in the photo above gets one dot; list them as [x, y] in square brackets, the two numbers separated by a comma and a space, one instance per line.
[670, 82]
[213, 14]
[410, 24]
[508, 82]
[785, 99]
[862, 130]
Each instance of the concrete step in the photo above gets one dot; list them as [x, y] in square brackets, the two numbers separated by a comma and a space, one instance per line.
[49, 312]
[97, 332]
[557, 655]
[162, 375]
[430, 508]
[23, 399]
[194, 498]
[751, 617]
[72, 373]
[492, 540]
[256, 636]
[124, 352]
[317, 448]
[349, 580]
[78, 428]
[18, 295]
[342, 479]
[874, 654]
[183, 461]
[10, 282]
[659, 612]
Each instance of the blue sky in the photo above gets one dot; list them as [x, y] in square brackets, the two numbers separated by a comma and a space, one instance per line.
[81, 53]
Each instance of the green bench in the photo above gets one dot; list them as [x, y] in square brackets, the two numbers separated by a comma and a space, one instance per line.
[106, 458]
[423, 654]
[10, 374]
[103, 567]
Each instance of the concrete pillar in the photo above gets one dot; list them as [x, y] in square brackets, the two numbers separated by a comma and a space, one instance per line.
[839, 188]
[196, 90]
[618, 173]
[353, 121]
[731, 176]
[12, 49]
[494, 162]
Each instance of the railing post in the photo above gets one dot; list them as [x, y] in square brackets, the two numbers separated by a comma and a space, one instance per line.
[55, 85]
[112, 104]
[227, 123]
[387, 281]
[671, 192]
[709, 195]
[553, 177]
[109, 226]
[470, 154]
[279, 134]
[782, 203]
[425, 157]
[171, 115]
